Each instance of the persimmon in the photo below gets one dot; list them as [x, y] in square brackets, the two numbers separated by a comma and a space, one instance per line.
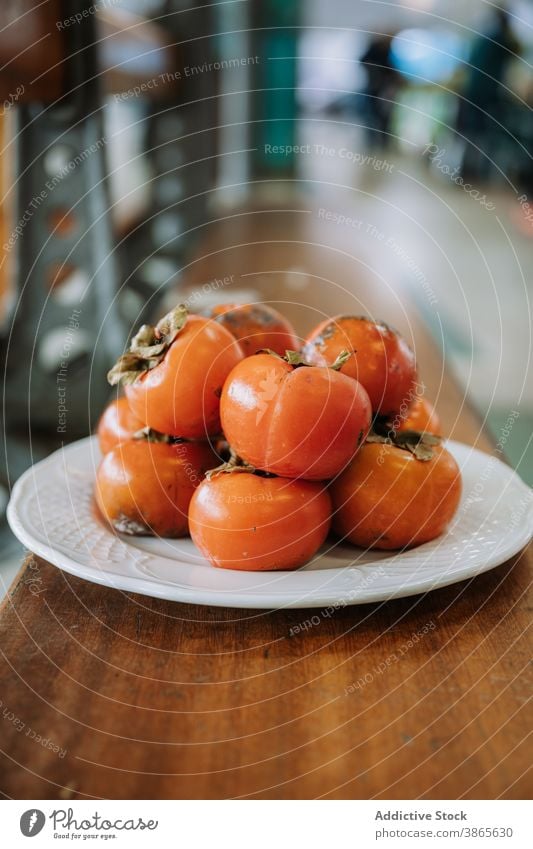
[381, 360]
[251, 522]
[421, 416]
[256, 326]
[144, 487]
[390, 498]
[295, 421]
[174, 372]
[117, 424]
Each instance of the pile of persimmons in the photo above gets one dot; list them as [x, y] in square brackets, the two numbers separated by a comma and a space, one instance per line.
[233, 431]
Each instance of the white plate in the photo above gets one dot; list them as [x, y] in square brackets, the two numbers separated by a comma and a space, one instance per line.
[52, 512]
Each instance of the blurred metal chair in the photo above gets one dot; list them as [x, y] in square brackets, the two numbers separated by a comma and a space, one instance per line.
[69, 318]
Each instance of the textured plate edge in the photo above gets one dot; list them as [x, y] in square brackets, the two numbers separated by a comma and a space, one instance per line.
[246, 600]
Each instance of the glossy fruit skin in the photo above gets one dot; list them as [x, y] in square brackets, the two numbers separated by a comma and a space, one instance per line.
[181, 395]
[257, 327]
[382, 360]
[421, 416]
[117, 424]
[301, 422]
[388, 499]
[250, 522]
[145, 487]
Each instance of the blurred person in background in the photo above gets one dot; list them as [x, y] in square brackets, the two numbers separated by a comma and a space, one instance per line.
[483, 97]
[380, 92]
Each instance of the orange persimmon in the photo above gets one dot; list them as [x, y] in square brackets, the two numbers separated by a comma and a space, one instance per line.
[295, 421]
[117, 424]
[388, 498]
[174, 373]
[421, 416]
[252, 522]
[381, 360]
[256, 327]
[145, 487]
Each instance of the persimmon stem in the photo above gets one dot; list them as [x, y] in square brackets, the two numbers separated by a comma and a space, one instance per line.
[148, 347]
[296, 358]
[418, 442]
[343, 357]
[234, 464]
[148, 434]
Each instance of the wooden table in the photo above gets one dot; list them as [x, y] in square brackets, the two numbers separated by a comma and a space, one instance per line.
[148, 699]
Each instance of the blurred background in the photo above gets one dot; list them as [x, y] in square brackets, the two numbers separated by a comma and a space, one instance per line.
[140, 137]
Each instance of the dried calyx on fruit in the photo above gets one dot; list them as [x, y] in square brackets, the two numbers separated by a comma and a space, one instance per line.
[234, 464]
[296, 421]
[296, 359]
[148, 434]
[148, 347]
[419, 443]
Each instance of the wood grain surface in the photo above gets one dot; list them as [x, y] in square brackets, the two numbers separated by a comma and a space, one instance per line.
[425, 697]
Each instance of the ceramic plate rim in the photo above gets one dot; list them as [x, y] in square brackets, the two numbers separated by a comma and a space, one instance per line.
[245, 598]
